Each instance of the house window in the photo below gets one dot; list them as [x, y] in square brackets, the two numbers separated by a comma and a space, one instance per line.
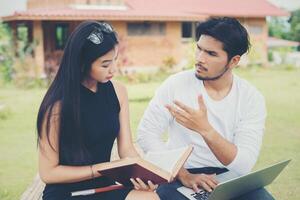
[146, 28]
[61, 35]
[255, 29]
[22, 32]
[188, 30]
[23, 38]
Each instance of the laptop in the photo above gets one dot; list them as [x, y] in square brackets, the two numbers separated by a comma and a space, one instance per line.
[231, 185]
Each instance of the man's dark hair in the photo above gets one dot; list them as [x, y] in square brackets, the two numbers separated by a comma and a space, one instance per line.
[229, 31]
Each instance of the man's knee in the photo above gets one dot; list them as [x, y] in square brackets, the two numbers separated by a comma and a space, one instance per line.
[169, 191]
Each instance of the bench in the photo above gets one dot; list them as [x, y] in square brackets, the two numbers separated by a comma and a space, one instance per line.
[35, 189]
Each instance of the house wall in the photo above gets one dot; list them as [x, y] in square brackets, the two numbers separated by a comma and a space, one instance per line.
[258, 31]
[134, 51]
[149, 51]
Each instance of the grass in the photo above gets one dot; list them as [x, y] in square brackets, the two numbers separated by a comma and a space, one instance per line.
[18, 158]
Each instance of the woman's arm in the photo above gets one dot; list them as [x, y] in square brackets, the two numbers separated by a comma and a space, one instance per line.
[49, 169]
[125, 145]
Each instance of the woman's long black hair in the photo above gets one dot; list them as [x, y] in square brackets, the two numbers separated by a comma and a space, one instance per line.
[65, 91]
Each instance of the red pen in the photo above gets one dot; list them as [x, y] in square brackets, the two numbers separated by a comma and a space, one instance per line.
[97, 190]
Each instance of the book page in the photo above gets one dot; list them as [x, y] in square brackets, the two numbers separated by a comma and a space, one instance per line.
[165, 160]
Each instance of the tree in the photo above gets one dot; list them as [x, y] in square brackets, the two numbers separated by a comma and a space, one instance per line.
[6, 53]
[279, 27]
[295, 25]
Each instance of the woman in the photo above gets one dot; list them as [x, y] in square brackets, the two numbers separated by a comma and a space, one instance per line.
[80, 116]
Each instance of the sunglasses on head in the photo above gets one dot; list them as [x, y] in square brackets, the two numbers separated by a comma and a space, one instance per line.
[96, 36]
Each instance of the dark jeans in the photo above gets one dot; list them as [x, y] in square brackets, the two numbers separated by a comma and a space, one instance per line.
[168, 191]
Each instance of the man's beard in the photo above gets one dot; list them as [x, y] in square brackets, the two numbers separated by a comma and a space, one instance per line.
[214, 77]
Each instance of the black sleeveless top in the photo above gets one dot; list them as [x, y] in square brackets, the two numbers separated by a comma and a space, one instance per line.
[100, 122]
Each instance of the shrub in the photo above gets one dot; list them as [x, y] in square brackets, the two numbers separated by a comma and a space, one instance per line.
[6, 54]
[4, 112]
[168, 63]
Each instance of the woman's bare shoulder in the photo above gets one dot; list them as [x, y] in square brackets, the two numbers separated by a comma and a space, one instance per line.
[121, 90]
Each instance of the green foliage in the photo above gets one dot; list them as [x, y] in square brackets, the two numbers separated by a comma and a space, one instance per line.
[191, 55]
[270, 56]
[289, 67]
[279, 27]
[286, 67]
[168, 64]
[6, 54]
[143, 77]
[17, 66]
[5, 112]
[284, 28]
[295, 25]
[256, 54]
[25, 75]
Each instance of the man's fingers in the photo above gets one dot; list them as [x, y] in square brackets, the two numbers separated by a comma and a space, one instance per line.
[201, 102]
[181, 119]
[177, 113]
[183, 107]
[205, 186]
[195, 187]
[171, 110]
[182, 114]
[184, 122]
[168, 107]
[212, 177]
[211, 184]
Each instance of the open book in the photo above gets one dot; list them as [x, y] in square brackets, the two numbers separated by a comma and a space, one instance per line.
[158, 167]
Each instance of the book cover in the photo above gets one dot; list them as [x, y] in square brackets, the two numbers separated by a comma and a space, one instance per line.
[161, 167]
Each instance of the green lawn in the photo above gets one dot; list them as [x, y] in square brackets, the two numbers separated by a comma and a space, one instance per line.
[18, 160]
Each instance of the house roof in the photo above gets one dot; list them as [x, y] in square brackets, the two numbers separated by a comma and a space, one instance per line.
[96, 14]
[155, 10]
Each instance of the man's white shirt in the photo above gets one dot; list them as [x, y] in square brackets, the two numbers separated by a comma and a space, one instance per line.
[239, 118]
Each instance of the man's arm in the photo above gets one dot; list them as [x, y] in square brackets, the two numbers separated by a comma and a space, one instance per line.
[248, 135]
[224, 151]
[240, 155]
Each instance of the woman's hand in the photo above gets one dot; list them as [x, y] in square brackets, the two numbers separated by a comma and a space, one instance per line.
[140, 185]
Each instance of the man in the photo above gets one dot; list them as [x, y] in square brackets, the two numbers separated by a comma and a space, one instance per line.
[220, 114]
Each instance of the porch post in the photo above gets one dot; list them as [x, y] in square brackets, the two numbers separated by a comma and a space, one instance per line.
[39, 55]
[14, 37]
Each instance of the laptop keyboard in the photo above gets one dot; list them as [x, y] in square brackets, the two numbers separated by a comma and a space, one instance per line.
[201, 195]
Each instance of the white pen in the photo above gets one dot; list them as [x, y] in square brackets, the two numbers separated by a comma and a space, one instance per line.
[97, 190]
[83, 192]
